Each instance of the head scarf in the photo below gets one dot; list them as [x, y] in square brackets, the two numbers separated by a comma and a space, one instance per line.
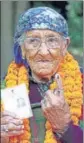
[37, 18]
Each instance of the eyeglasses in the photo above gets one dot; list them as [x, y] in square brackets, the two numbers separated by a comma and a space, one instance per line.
[35, 43]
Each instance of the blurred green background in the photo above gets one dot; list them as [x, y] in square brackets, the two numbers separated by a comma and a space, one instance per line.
[10, 11]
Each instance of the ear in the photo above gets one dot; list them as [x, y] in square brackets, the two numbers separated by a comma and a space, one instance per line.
[23, 51]
[67, 42]
[66, 45]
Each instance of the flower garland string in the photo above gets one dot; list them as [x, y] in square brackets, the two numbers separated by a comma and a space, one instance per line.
[72, 84]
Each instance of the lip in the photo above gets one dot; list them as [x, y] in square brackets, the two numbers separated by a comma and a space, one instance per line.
[43, 61]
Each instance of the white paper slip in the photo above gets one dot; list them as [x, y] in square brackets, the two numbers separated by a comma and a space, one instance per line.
[16, 100]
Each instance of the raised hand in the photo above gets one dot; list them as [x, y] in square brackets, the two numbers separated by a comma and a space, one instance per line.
[55, 108]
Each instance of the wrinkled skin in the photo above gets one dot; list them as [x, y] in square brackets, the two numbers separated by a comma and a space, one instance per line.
[55, 108]
[11, 122]
[45, 59]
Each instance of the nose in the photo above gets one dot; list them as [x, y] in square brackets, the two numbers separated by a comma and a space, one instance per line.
[43, 50]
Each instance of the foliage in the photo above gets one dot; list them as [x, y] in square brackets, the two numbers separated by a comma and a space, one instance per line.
[75, 22]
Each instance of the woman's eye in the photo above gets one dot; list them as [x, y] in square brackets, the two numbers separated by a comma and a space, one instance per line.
[51, 39]
[33, 40]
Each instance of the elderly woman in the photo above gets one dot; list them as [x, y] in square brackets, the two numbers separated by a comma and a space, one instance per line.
[43, 63]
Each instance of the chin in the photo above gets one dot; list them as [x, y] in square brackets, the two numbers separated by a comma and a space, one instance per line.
[44, 70]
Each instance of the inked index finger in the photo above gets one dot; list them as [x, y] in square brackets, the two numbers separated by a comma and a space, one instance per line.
[59, 81]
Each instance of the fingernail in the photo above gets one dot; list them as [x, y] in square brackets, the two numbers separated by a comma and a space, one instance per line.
[57, 76]
[58, 91]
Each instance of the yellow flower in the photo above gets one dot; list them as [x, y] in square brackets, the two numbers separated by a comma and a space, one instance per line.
[49, 134]
[48, 125]
[2, 106]
[11, 83]
[75, 119]
[22, 71]
[11, 76]
[12, 70]
[75, 111]
[77, 102]
[50, 141]
[77, 94]
[53, 85]
[68, 95]
[26, 135]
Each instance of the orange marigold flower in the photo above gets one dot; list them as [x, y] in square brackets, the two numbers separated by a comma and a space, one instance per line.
[22, 80]
[27, 128]
[13, 70]
[13, 65]
[2, 106]
[26, 121]
[26, 135]
[48, 125]
[53, 85]
[49, 133]
[22, 70]
[24, 141]
[23, 77]
[75, 119]
[77, 94]
[75, 111]
[11, 83]
[50, 141]
[68, 81]
[67, 94]
[11, 76]
[15, 139]
[77, 102]
[11, 139]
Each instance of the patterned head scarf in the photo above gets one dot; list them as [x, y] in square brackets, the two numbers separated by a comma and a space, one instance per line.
[37, 18]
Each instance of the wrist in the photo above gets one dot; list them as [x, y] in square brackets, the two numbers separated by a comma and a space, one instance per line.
[59, 133]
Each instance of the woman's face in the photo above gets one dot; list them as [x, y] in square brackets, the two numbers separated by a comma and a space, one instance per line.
[44, 49]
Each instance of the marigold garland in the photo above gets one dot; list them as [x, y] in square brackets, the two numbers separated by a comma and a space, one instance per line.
[72, 84]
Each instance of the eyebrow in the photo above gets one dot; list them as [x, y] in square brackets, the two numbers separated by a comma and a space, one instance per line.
[50, 35]
[38, 35]
[34, 34]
